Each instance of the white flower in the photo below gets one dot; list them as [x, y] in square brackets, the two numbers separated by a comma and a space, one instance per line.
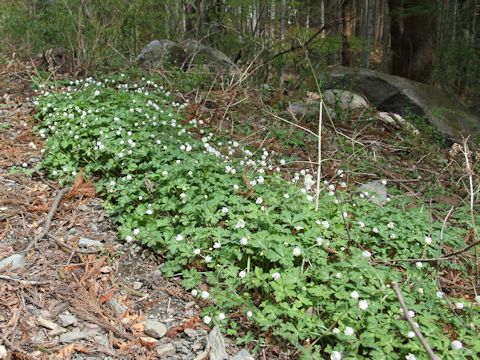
[297, 251]
[428, 240]
[384, 182]
[205, 294]
[354, 295]
[363, 304]
[456, 345]
[179, 237]
[242, 274]
[217, 245]
[336, 330]
[224, 210]
[183, 196]
[375, 230]
[319, 241]
[208, 258]
[249, 314]
[259, 201]
[361, 224]
[207, 319]
[439, 294]
[286, 196]
[164, 173]
[221, 316]
[194, 292]
[420, 291]
[240, 224]
[128, 238]
[149, 211]
[335, 355]
[331, 187]
[196, 251]
[366, 254]
[390, 225]
[459, 306]
[326, 224]
[410, 334]
[243, 241]
[136, 231]
[276, 276]
[236, 187]
[419, 264]
[410, 357]
[97, 92]
[348, 331]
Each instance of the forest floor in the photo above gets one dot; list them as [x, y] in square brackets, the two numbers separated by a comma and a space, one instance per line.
[61, 299]
[75, 292]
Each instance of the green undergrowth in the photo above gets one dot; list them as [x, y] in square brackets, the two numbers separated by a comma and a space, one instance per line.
[252, 245]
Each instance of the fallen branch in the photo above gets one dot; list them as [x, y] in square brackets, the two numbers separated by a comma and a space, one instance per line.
[421, 339]
[442, 258]
[22, 281]
[48, 220]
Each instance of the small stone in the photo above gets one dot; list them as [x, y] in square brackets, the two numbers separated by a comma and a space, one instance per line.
[189, 304]
[242, 355]
[164, 350]
[137, 285]
[66, 319]
[15, 261]
[217, 345]
[73, 336]
[3, 352]
[119, 309]
[190, 333]
[94, 227]
[83, 207]
[87, 243]
[105, 269]
[183, 349]
[154, 329]
[72, 231]
[148, 341]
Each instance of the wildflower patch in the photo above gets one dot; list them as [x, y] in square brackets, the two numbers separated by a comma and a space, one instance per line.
[249, 244]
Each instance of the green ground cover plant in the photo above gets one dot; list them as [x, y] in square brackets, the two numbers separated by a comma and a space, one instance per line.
[251, 244]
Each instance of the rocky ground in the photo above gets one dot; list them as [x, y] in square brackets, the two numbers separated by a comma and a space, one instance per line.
[68, 288]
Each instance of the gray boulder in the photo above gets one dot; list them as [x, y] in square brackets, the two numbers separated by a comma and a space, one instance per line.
[402, 96]
[303, 109]
[375, 191]
[345, 99]
[203, 55]
[160, 51]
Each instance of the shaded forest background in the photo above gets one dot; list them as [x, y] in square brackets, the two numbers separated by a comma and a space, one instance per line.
[432, 41]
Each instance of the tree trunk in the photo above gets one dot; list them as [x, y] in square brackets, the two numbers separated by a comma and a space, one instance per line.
[370, 31]
[322, 17]
[272, 20]
[387, 54]
[413, 38]
[346, 32]
[283, 12]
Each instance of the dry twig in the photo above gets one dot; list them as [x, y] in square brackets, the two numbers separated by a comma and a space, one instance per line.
[48, 220]
[421, 339]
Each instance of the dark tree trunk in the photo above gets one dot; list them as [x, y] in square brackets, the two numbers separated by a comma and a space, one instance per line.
[413, 34]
